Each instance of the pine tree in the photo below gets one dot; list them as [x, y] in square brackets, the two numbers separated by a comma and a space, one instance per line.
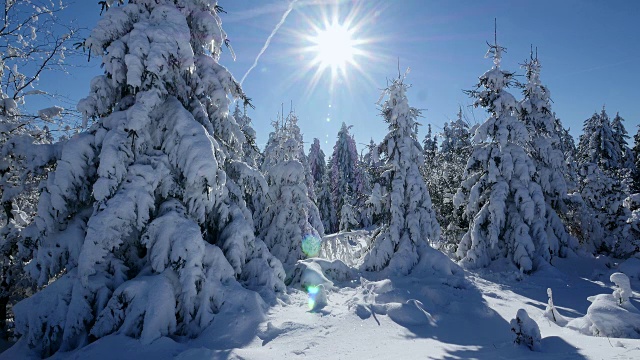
[408, 220]
[148, 203]
[544, 147]
[504, 205]
[345, 177]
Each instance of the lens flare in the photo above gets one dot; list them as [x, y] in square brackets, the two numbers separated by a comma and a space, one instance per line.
[310, 245]
[313, 292]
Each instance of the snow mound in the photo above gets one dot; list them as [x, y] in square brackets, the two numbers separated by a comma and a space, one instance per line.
[608, 319]
[410, 313]
[611, 315]
[526, 331]
[314, 272]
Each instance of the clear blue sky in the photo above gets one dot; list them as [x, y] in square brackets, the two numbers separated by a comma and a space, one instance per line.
[589, 52]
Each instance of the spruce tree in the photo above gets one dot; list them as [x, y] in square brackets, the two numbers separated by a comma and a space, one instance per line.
[345, 177]
[290, 223]
[597, 144]
[320, 175]
[430, 146]
[603, 185]
[635, 184]
[407, 217]
[620, 135]
[143, 226]
[504, 205]
[544, 147]
[446, 175]
[26, 156]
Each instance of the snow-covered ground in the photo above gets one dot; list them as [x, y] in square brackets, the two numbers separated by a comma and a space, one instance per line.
[431, 314]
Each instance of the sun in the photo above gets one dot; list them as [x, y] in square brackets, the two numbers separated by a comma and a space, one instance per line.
[334, 47]
[337, 46]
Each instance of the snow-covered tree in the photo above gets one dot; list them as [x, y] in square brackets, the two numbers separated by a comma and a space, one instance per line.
[345, 177]
[290, 224]
[635, 176]
[429, 146]
[455, 137]
[320, 175]
[33, 43]
[444, 176]
[293, 130]
[348, 215]
[604, 185]
[620, 135]
[143, 226]
[544, 147]
[317, 162]
[597, 144]
[370, 169]
[408, 219]
[26, 156]
[504, 205]
[252, 155]
[325, 205]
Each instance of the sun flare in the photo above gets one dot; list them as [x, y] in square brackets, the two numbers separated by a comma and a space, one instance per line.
[334, 47]
[338, 47]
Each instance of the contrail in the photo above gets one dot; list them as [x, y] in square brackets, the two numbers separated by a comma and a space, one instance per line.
[266, 44]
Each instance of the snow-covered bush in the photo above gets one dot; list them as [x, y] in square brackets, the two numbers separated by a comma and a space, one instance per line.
[526, 331]
[611, 315]
[623, 292]
[552, 313]
[151, 201]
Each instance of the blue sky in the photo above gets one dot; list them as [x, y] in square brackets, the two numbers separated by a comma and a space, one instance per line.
[589, 52]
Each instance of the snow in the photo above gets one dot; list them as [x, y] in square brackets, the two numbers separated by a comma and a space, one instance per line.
[49, 113]
[366, 316]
